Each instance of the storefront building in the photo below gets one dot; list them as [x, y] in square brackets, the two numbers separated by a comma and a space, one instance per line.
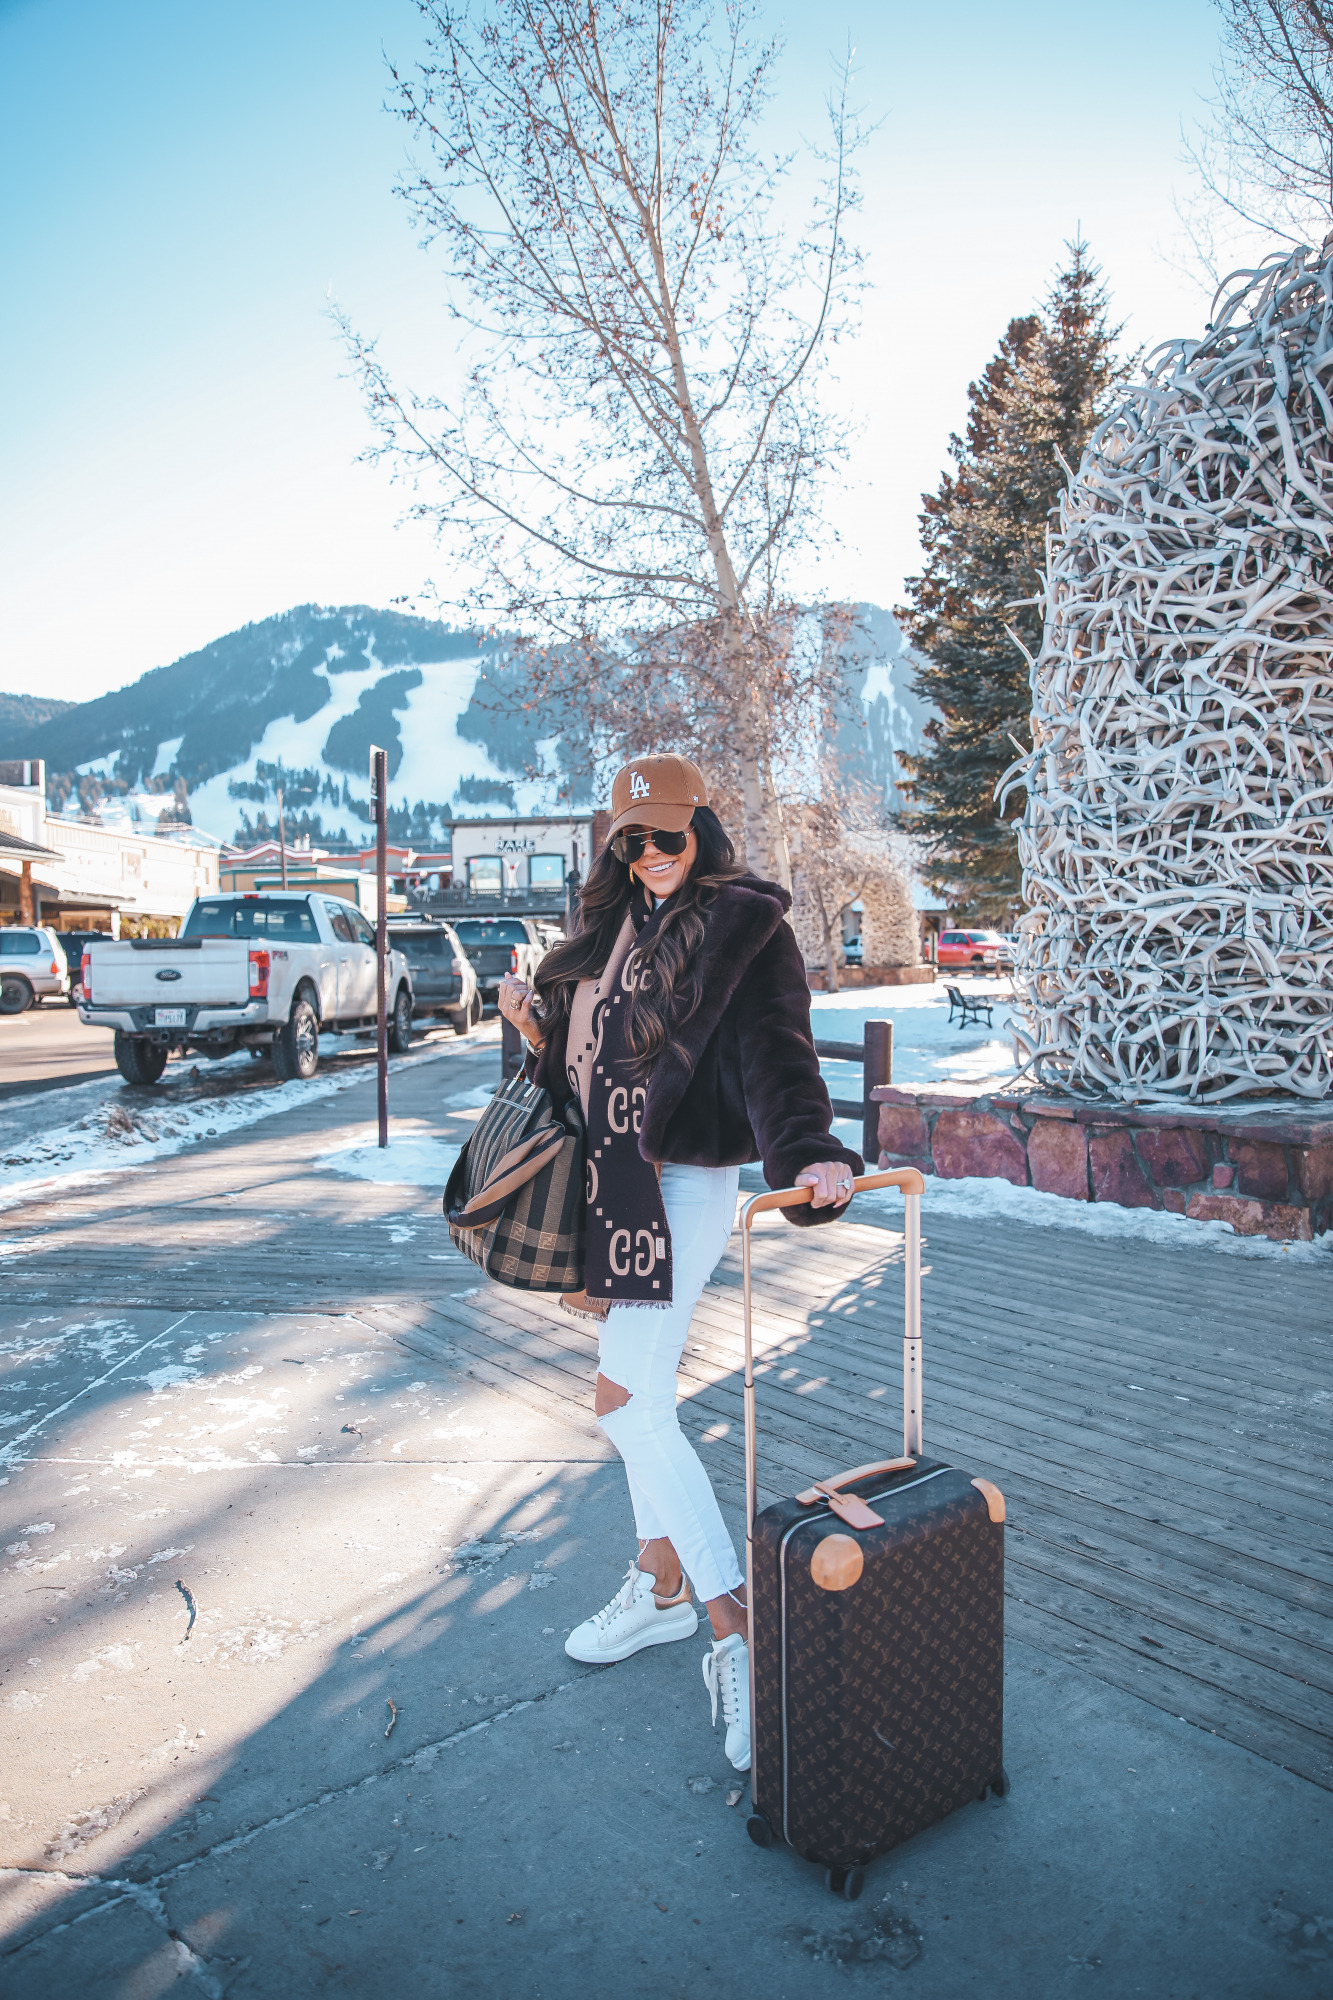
[72, 874]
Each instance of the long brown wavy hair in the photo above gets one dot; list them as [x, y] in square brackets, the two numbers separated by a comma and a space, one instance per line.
[668, 988]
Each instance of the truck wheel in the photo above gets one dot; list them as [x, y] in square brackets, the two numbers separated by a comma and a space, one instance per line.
[138, 1060]
[400, 1022]
[15, 994]
[474, 1015]
[296, 1045]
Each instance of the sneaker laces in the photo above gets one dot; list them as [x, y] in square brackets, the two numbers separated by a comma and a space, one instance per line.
[622, 1600]
[721, 1676]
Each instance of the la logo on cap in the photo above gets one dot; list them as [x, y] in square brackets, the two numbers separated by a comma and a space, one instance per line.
[639, 787]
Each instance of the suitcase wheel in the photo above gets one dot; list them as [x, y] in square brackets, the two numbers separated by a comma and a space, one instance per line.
[845, 1882]
[759, 1830]
[1000, 1786]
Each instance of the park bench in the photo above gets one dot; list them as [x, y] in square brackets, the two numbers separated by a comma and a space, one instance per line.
[968, 1010]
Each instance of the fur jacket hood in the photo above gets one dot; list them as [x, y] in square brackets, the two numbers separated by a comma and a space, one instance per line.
[744, 1082]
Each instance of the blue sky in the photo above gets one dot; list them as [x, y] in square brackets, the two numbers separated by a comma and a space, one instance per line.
[185, 187]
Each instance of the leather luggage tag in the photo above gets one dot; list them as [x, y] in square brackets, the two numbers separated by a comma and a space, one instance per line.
[850, 1509]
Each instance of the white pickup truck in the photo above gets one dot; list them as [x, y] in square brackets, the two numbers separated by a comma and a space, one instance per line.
[266, 970]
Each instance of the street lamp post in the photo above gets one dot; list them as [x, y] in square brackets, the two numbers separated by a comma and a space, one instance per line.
[379, 779]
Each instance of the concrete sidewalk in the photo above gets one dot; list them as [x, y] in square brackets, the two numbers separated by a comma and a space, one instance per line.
[358, 1526]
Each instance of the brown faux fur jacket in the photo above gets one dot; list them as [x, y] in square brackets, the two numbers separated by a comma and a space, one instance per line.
[751, 1088]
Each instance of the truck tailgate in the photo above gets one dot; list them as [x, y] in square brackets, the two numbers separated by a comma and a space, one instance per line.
[491, 961]
[213, 972]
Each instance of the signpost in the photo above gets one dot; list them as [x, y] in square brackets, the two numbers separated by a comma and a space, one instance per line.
[379, 781]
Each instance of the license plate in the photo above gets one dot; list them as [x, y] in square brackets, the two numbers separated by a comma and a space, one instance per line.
[168, 1017]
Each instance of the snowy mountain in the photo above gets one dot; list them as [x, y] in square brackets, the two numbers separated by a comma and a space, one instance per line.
[297, 700]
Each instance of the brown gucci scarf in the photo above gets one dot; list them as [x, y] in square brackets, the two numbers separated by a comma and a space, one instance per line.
[628, 1245]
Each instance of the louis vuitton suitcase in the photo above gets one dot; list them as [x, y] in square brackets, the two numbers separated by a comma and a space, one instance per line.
[877, 1655]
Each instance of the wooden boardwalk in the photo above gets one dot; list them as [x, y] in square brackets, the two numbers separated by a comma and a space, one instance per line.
[1160, 1420]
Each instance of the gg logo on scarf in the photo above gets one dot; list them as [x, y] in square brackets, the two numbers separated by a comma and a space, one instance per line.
[625, 1107]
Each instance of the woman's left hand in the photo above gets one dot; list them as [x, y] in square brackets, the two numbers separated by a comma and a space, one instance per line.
[831, 1181]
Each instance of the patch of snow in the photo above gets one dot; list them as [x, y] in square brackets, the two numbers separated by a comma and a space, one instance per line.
[256, 1644]
[998, 1200]
[409, 1160]
[166, 756]
[162, 1378]
[928, 1051]
[119, 1657]
[115, 1136]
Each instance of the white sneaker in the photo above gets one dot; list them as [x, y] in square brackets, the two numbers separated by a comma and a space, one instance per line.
[727, 1673]
[633, 1619]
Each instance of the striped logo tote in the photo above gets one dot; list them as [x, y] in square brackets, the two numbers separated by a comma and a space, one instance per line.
[515, 1202]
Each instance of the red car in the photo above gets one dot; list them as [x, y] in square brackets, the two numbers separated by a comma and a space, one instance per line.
[972, 951]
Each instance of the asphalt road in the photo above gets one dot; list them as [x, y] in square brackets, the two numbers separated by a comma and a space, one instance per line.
[48, 1048]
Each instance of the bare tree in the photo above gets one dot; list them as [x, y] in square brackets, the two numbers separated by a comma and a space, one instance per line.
[843, 852]
[1265, 158]
[639, 441]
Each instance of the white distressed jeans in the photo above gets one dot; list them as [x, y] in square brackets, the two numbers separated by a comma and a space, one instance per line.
[640, 1349]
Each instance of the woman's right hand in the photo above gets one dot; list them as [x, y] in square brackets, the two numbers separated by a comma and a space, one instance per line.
[518, 1003]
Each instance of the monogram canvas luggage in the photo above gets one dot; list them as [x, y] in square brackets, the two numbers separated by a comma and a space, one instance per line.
[877, 1654]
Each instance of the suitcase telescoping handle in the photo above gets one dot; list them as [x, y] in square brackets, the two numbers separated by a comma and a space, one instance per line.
[913, 1186]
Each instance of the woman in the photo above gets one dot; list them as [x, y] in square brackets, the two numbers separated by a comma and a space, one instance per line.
[679, 1014]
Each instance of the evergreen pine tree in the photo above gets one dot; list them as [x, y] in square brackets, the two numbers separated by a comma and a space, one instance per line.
[1052, 380]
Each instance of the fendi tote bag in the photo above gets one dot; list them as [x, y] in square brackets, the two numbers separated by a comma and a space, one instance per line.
[515, 1202]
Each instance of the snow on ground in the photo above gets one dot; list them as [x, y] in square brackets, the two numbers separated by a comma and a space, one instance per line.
[411, 1158]
[1000, 1201]
[996, 1201]
[926, 1049]
[114, 1132]
[414, 1157]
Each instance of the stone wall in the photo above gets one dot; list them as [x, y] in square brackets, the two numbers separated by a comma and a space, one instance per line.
[1267, 1171]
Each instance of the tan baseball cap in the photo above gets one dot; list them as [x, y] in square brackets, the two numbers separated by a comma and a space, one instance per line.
[657, 792]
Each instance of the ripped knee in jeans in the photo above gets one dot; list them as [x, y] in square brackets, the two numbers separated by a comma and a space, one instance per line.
[610, 1396]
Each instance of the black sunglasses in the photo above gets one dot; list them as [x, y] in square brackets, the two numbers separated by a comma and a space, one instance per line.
[629, 846]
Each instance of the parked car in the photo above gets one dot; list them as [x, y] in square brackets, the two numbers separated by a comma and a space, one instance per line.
[73, 944]
[260, 971]
[851, 950]
[443, 979]
[975, 951]
[497, 945]
[32, 965]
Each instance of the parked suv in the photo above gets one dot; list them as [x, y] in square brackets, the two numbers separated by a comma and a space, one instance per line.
[32, 965]
[74, 944]
[443, 980]
[497, 945]
[978, 951]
